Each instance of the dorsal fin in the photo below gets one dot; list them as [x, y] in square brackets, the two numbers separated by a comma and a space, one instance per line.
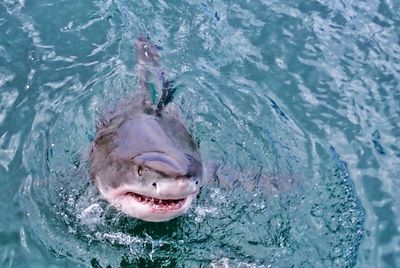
[148, 61]
[149, 65]
[168, 91]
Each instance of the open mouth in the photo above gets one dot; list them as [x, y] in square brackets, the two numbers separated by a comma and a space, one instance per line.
[156, 203]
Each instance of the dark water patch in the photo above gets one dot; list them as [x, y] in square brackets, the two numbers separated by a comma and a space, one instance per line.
[375, 140]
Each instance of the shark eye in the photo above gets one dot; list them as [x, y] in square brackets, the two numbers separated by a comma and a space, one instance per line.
[140, 170]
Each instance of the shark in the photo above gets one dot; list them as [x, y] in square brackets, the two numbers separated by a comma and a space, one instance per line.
[143, 160]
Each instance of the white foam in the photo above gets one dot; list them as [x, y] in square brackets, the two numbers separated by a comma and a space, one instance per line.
[91, 215]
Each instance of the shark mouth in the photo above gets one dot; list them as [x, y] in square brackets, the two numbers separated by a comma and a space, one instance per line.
[156, 203]
[147, 207]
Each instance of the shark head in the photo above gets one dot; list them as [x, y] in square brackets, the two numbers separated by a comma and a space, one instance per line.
[147, 166]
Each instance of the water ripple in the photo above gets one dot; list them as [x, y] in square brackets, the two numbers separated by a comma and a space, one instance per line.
[295, 106]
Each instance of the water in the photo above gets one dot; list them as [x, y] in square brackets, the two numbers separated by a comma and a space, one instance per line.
[295, 105]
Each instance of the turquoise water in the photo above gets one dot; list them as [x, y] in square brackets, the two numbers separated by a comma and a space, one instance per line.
[295, 106]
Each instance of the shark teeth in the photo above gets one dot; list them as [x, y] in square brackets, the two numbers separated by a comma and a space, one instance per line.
[156, 203]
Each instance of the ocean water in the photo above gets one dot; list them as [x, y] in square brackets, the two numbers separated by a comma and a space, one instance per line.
[295, 106]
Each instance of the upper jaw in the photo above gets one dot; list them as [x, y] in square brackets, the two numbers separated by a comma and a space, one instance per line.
[155, 196]
[127, 189]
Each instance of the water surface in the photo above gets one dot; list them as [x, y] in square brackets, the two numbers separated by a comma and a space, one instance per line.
[295, 107]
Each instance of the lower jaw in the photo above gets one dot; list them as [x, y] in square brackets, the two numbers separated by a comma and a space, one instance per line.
[161, 216]
[149, 213]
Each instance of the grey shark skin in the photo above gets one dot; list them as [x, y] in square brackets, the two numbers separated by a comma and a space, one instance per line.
[143, 160]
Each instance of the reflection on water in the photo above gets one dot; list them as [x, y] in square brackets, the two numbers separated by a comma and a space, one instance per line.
[295, 107]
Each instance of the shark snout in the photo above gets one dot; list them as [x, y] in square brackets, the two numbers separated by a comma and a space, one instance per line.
[178, 175]
[184, 166]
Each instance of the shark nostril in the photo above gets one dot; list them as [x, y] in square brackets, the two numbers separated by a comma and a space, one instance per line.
[197, 182]
[154, 184]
